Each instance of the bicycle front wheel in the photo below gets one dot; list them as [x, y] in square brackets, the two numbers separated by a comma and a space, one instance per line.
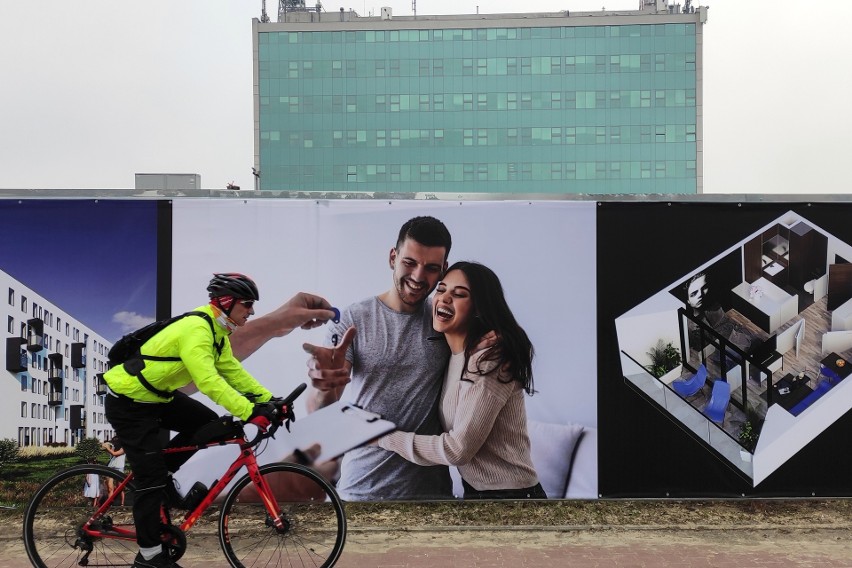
[56, 534]
[313, 522]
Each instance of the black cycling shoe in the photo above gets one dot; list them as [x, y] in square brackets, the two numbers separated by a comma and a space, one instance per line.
[160, 561]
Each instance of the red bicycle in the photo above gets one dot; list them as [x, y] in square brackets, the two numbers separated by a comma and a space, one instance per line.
[279, 514]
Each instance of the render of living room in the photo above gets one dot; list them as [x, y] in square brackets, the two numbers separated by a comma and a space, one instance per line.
[749, 352]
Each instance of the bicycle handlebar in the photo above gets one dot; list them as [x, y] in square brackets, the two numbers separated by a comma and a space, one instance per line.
[283, 412]
[297, 392]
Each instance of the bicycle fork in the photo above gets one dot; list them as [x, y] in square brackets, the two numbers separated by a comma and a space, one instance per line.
[248, 459]
[276, 516]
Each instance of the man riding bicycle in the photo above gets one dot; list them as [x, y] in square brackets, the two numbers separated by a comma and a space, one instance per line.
[143, 397]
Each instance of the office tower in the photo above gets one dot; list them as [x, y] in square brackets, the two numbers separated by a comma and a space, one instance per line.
[540, 103]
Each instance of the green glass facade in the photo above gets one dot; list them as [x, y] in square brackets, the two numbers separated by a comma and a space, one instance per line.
[536, 109]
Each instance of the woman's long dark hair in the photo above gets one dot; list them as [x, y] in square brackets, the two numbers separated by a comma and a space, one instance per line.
[513, 350]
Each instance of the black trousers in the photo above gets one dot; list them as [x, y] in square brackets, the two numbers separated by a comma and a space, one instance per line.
[534, 492]
[139, 426]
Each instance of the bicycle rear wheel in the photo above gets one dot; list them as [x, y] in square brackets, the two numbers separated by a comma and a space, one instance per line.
[313, 521]
[54, 535]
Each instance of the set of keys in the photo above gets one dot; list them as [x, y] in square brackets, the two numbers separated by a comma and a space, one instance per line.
[336, 319]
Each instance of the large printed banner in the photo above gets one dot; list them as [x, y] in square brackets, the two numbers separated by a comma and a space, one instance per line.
[724, 342]
[542, 251]
[692, 349]
[76, 275]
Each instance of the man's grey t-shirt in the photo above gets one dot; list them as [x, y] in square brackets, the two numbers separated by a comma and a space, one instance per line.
[397, 372]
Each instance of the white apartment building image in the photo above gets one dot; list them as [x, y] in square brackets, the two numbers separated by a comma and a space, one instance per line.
[50, 383]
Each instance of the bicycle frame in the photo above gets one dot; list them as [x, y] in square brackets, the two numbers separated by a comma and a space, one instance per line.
[246, 458]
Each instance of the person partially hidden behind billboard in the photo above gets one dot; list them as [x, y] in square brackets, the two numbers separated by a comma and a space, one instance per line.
[482, 405]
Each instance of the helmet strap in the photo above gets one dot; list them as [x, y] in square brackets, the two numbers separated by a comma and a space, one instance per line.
[224, 303]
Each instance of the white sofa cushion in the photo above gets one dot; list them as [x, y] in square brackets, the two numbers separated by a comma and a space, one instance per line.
[552, 447]
[583, 480]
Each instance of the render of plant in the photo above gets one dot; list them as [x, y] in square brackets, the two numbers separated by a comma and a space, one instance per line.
[664, 358]
[750, 430]
[748, 435]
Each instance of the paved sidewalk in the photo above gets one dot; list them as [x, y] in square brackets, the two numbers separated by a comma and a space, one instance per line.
[608, 548]
[616, 547]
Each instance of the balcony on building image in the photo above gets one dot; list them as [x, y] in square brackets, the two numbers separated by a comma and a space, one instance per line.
[77, 420]
[34, 342]
[100, 384]
[54, 373]
[16, 358]
[35, 334]
[55, 379]
[78, 355]
[54, 397]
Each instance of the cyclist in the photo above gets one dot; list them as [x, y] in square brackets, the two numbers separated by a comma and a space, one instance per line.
[142, 401]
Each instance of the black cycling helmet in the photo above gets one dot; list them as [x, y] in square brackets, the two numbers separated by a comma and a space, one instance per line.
[240, 286]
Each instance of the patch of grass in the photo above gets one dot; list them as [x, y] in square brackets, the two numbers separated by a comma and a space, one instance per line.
[18, 481]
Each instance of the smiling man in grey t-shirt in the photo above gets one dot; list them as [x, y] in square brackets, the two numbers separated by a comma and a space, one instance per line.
[395, 367]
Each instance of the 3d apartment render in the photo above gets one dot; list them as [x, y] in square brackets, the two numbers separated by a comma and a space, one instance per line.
[749, 351]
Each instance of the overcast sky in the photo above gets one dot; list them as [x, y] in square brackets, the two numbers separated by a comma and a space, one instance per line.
[96, 91]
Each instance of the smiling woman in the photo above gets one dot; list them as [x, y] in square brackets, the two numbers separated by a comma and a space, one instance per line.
[482, 403]
[452, 305]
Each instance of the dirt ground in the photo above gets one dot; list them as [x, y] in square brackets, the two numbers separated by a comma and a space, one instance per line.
[805, 527]
[599, 514]
[607, 514]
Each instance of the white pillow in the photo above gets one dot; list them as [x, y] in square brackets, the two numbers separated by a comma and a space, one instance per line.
[552, 447]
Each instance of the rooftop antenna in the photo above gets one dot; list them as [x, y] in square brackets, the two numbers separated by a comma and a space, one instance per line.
[285, 6]
[414, 7]
[264, 17]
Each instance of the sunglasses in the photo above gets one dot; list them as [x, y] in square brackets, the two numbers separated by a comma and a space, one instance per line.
[247, 304]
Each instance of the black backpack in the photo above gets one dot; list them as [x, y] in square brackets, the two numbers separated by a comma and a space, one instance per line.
[127, 349]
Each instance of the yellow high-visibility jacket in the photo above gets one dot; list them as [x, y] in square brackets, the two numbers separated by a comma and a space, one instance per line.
[220, 376]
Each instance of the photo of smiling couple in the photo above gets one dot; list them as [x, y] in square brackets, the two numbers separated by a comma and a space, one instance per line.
[451, 370]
